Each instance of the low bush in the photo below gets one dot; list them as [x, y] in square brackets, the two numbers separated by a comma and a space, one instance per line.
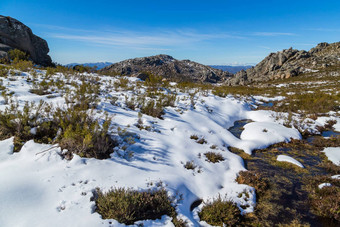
[17, 55]
[22, 65]
[19, 123]
[325, 201]
[194, 137]
[128, 206]
[214, 157]
[201, 141]
[152, 108]
[253, 179]
[82, 134]
[190, 165]
[220, 213]
[79, 131]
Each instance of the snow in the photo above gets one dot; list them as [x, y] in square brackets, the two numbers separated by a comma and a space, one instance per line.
[324, 185]
[323, 120]
[333, 154]
[285, 158]
[268, 99]
[39, 188]
[259, 135]
[336, 176]
[311, 70]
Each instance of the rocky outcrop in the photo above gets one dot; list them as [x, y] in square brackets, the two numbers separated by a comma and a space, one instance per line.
[289, 63]
[16, 35]
[169, 68]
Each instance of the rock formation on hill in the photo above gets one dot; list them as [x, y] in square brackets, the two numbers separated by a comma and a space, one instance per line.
[16, 35]
[289, 63]
[170, 68]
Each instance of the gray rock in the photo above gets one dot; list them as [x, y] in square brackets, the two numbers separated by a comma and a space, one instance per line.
[289, 63]
[169, 68]
[16, 35]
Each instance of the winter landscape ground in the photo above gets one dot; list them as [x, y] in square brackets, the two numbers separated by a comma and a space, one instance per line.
[177, 137]
[158, 141]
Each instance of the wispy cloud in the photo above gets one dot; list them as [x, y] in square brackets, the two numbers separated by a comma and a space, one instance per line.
[273, 34]
[142, 39]
[324, 29]
[265, 47]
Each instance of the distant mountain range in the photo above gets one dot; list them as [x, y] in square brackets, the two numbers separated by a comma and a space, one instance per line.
[99, 65]
[230, 68]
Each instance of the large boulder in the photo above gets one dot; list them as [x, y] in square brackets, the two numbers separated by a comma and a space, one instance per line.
[16, 35]
[169, 68]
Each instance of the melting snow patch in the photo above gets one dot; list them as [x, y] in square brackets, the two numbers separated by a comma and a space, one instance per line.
[323, 121]
[324, 185]
[336, 177]
[285, 158]
[333, 154]
[259, 135]
[267, 99]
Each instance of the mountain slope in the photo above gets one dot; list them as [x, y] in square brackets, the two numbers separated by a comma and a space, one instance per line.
[289, 63]
[99, 65]
[168, 67]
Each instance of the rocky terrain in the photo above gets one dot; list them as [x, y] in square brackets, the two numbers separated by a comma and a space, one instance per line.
[289, 63]
[16, 35]
[168, 67]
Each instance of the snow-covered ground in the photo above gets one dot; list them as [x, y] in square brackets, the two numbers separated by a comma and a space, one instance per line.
[333, 154]
[39, 188]
[285, 158]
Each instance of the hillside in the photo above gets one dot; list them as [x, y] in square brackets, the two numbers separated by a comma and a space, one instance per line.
[158, 136]
[156, 141]
[289, 63]
[169, 68]
[98, 65]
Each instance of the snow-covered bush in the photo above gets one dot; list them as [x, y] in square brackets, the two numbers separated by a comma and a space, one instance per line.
[213, 157]
[128, 206]
[220, 213]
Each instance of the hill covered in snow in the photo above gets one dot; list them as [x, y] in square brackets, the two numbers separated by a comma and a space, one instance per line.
[70, 134]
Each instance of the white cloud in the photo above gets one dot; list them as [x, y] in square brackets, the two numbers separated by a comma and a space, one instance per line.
[273, 34]
[144, 40]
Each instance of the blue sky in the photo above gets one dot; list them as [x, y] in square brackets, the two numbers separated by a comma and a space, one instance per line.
[209, 32]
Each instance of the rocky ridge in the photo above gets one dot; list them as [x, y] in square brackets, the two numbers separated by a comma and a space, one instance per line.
[289, 63]
[16, 35]
[169, 68]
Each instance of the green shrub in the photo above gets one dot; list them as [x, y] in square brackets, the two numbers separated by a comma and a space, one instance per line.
[18, 55]
[152, 108]
[22, 65]
[122, 83]
[154, 82]
[41, 88]
[18, 123]
[81, 133]
[128, 206]
[3, 71]
[220, 213]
